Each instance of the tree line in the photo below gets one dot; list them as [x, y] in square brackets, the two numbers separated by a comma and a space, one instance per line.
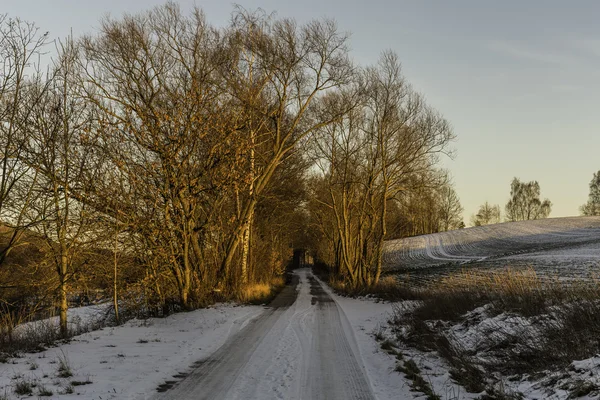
[525, 204]
[167, 161]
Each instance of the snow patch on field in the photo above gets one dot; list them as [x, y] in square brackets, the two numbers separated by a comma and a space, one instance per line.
[128, 361]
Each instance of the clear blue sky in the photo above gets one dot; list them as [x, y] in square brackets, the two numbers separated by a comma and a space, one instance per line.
[518, 80]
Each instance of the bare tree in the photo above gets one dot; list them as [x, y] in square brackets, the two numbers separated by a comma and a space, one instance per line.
[292, 68]
[450, 208]
[174, 133]
[487, 214]
[20, 46]
[525, 203]
[368, 158]
[58, 149]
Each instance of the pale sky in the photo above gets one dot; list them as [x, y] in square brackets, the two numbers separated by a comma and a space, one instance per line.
[519, 81]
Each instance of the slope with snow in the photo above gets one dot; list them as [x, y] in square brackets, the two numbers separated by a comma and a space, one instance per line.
[552, 242]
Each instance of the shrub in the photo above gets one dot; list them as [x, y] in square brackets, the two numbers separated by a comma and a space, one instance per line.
[23, 387]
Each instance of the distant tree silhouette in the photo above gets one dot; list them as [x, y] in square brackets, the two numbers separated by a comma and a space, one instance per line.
[592, 207]
[487, 214]
[525, 203]
[450, 209]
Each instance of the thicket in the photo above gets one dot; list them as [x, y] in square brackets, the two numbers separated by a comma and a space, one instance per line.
[167, 163]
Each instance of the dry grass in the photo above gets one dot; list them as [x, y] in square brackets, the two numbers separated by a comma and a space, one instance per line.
[388, 288]
[561, 322]
[261, 293]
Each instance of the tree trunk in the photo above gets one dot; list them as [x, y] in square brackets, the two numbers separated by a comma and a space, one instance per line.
[115, 283]
[63, 303]
[245, 252]
[381, 242]
[246, 238]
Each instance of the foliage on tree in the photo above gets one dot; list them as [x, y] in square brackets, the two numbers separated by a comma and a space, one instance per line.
[525, 203]
[592, 207]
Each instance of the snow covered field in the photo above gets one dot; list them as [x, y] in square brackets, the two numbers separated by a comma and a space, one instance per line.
[566, 247]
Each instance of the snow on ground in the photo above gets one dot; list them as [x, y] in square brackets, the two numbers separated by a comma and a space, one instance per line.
[79, 319]
[300, 350]
[482, 337]
[129, 361]
[565, 247]
[365, 317]
[313, 349]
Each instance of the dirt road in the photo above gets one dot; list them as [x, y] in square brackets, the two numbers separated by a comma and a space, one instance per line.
[301, 347]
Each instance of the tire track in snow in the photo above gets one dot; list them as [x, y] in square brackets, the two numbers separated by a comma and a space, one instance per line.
[296, 349]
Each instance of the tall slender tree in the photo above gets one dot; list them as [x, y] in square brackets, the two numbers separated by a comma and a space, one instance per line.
[592, 207]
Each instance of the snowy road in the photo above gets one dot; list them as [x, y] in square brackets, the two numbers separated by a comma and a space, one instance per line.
[303, 347]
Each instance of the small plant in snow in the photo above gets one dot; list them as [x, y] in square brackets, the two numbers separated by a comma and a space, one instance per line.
[24, 387]
[33, 366]
[44, 391]
[379, 333]
[69, 389]
[64, 366]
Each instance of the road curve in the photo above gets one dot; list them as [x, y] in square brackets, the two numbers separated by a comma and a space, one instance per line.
[301, 347]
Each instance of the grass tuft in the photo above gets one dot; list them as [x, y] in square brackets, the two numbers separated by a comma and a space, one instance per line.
[64, 366]
[526, 325]
[43, 391]
[87, 381]
[69, 389]
[24, 387]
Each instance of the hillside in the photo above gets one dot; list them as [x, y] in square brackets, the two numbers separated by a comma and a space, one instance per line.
[546, 241]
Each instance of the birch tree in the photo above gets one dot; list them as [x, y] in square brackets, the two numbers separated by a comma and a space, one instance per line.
[281, 86]
[592, 207]
[525, 203]
[486, 215]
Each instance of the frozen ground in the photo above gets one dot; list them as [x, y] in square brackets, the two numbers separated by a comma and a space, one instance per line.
[311, 344]
[305, 348]
[484, 338]
[565, 247]
[128, 361]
